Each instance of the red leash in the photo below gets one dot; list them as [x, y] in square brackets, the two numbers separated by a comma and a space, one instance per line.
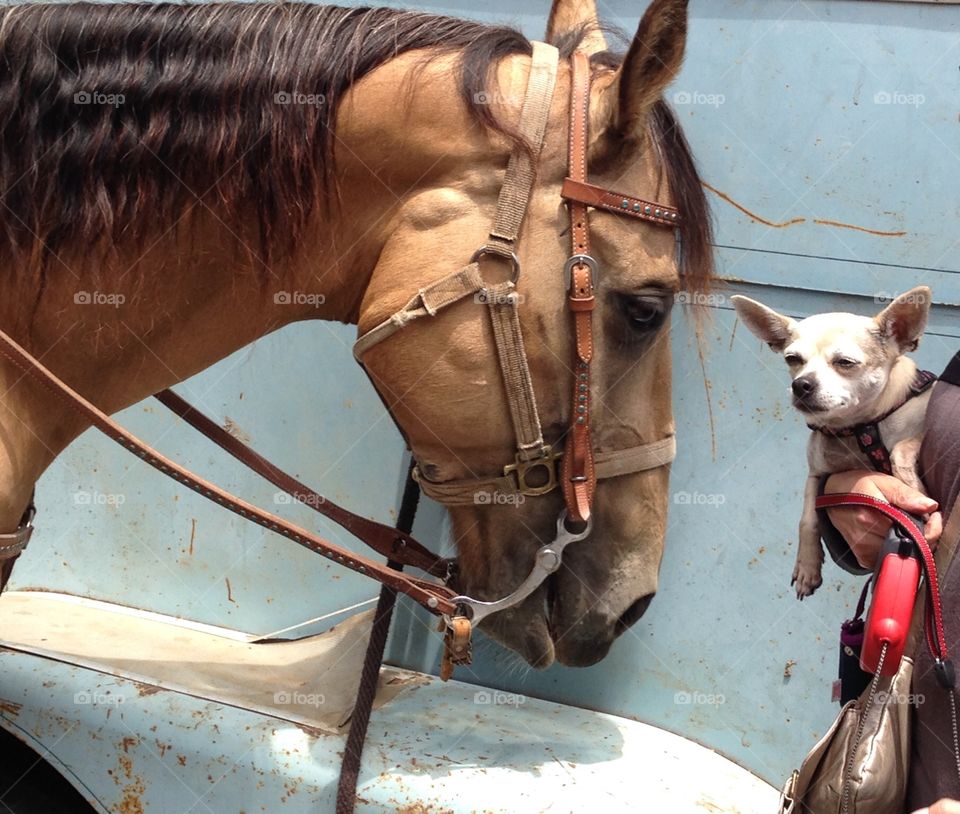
[936, 639]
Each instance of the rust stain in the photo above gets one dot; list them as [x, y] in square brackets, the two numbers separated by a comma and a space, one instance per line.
[878, 232]
[126, 743]
[182, 760]
[313, 732]
[788, 668]
[753, 215]
[706, 388]
[132, 802]
[162, 747]
[144, 690]
[794, 221]
[229, 591]
[10, 707]
[193, 533]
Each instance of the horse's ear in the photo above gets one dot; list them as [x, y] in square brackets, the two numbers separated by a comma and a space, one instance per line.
[654, 59]
[570, 15]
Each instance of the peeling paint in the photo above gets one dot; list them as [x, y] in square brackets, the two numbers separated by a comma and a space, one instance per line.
[233, 428]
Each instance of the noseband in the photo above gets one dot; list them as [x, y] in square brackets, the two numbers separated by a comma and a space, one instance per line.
[534, 470]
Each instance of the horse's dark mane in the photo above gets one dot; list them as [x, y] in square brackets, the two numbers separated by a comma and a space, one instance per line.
[200, 113]
[200, 117]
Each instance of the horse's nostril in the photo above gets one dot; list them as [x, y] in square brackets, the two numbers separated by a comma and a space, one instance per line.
[633, 613]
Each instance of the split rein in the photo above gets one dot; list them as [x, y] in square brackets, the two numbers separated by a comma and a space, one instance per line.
[581, 466]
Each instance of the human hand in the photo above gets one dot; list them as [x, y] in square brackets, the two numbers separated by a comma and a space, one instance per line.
[865, 529]
[943, 806]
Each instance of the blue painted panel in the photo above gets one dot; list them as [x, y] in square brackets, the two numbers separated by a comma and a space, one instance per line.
[797, 135]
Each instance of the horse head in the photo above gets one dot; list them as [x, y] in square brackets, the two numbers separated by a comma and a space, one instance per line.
[442, 379]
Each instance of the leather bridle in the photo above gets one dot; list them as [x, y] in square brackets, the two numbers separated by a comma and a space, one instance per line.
[581, 465]
[534, 470]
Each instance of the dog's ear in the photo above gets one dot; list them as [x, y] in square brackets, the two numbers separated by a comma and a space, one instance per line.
[905, 319]
[765, 323]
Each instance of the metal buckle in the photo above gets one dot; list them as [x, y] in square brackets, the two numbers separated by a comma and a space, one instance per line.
[580, 260]
[547, 460]
[499, 251]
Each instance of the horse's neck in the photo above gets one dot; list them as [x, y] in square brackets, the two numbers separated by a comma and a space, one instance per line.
[188, 302]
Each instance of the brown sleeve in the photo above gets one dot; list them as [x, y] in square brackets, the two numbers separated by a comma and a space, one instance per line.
[933, 770]
[940, 454]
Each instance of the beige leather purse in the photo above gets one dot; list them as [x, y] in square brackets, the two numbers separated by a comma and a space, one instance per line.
[861, 765]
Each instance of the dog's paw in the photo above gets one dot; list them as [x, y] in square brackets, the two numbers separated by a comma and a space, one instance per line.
[806, 578]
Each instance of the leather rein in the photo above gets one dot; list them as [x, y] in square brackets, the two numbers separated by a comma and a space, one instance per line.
[581, 466]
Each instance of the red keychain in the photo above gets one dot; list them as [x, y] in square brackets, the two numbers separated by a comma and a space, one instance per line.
[895, 584]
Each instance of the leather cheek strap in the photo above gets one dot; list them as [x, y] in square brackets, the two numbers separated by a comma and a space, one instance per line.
[579, 473]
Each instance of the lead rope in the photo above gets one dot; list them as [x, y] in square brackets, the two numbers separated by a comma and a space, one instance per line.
[372, 661]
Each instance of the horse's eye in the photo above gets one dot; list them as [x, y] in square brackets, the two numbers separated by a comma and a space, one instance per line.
[644, 313]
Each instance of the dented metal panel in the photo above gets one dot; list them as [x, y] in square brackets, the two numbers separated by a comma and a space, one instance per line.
[435, 748]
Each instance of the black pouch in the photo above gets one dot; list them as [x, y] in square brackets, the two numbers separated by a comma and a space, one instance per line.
[852, 680]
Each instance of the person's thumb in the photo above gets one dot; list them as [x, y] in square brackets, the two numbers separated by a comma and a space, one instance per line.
[899, 494]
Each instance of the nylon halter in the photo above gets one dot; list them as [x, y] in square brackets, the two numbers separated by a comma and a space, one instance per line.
[534, 470]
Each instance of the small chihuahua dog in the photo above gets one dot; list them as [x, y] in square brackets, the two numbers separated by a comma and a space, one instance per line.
[863, 398]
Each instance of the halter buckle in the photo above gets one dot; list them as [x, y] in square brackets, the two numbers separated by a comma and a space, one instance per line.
[522, 467]
[580, 260]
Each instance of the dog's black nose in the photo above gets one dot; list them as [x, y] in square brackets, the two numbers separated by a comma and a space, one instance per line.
[804, 386]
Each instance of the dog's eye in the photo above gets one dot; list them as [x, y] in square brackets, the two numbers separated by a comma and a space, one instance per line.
[793, 359]
[844, 362]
